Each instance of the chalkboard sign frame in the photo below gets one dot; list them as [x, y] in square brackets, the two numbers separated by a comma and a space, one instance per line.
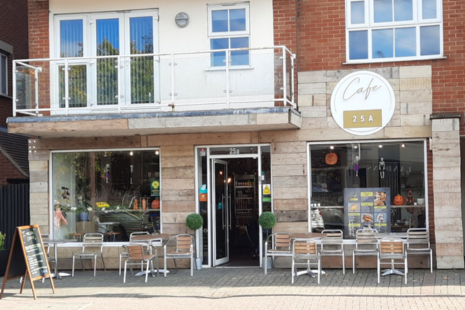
[27, 258]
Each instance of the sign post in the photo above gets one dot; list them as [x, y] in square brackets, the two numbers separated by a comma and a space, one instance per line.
[27, 258]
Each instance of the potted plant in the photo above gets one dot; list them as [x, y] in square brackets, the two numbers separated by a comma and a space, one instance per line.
[267, 220]
[82, 196]
[4, 254]
[194, 221]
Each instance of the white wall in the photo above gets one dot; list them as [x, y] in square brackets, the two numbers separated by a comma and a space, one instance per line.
[171, 38]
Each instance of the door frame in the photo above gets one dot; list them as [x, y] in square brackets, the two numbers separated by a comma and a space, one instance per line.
[209, 181]
[225, 208]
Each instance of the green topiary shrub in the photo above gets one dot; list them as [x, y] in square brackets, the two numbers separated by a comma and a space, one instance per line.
[267, 220]
[194, 221]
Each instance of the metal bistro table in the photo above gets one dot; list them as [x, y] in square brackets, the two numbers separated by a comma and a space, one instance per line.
[152, 241]
[311, 237]
[55, 243]
[398, 235]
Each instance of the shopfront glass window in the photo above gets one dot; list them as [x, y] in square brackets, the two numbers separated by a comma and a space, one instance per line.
[111, 192]
[384, 181]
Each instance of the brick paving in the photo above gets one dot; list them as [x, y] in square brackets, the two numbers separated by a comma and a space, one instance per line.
[244, 288]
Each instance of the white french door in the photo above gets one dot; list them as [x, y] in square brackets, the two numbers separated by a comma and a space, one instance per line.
[108, 80]
[221, 212]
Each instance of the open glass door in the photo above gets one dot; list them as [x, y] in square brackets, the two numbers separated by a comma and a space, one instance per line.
[221, 212]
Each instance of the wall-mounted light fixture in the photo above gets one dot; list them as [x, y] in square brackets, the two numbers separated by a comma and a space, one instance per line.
[181, 19]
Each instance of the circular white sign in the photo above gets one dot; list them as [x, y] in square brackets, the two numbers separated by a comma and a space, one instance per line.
[363, 103]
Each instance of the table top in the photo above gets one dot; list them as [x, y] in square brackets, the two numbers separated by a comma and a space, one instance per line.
[307, 236]
[149, 237]
[55, 241]
[108, 223]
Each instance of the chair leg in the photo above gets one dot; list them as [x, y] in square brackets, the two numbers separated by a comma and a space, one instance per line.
[292, 271]
[147, 271]
[377, 269]
[95, 265]
[431, 260]
[265, 263]
[103, 262]
[406, 269]
[120, 259]
[353, 263]
[319, 270]
[72, 273]
[125, 267]
[164, 265]
[343, 263]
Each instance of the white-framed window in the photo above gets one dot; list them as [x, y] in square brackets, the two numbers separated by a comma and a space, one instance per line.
[228, 28]
[392, 30]
[3, 74]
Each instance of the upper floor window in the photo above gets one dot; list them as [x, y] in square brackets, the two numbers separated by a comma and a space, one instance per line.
[388, 30]
[3, 74]
[228, 28]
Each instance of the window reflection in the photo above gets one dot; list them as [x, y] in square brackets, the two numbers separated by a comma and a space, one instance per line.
[405, 42]
[429, 9]
[403, 10]
[382, 43]
[358, 166]
[358, 48]
[429, 40]
[382, 11]
[357, 12]
[112, 192]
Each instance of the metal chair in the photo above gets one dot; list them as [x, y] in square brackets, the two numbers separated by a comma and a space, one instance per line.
[305, 250]
[279, 244]
[51, 259]
[391, 249]
[418, 242]
[138, 257]
[125, 254]
[332, 245]
[92, 247]
[183, 248]
[366, 244]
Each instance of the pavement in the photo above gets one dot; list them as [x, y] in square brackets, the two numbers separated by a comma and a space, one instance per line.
[243, 288]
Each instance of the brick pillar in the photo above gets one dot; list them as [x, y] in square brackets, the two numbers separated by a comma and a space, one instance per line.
[447, 193]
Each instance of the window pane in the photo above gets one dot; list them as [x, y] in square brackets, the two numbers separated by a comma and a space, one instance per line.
[71, 38]
[358, 44]
[429, 9]
[429, 40]
[405, 42]
[141, 29]
[357, 12]
[382, 11]
[107, 37]
[237, 20]
[382, 43]
[218, 58]
[403, 10]
[142, 84]
[239, 58]
[220, 21]
[3, 74]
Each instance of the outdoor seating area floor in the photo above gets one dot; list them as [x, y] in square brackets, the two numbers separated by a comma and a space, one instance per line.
[84, 290]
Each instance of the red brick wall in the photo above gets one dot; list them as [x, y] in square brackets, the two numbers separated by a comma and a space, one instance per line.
[9, 171]
[13, 31]
[322, 41]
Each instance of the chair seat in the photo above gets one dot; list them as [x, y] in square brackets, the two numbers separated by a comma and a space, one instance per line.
[145, 257]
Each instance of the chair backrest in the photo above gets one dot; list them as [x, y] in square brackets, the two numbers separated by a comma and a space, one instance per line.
[184, 243]
[304, 248]
[281, 241]
[92, 240]
[366, 239]
[138, 233]
[418, 238]
[391, 247]
[332, 239]
[135, 251]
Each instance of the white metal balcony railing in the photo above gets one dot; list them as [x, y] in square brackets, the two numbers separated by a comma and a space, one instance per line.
[154, 82]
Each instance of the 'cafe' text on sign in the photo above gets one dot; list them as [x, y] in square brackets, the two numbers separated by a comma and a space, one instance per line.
[363, 103]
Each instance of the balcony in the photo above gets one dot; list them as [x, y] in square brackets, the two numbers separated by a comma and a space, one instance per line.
[155, 93]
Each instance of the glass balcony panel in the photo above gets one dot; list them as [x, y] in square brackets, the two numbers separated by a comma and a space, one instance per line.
[25, 88]
[197, 85]
[142, 80]
[255, 86]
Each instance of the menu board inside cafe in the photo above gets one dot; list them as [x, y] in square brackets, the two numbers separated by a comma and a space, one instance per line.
[367, 208]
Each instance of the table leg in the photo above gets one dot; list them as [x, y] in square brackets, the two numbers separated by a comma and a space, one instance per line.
[392, 271]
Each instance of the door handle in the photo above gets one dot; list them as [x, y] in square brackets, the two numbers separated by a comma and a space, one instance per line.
[229, 208]
[222, 210]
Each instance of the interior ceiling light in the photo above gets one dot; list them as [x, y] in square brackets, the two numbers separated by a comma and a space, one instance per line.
[331, 147]
[380, 146]
[402, 145]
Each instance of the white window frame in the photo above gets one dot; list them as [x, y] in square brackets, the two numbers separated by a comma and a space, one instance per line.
[416, 22]
[229, 34]
[3, 72]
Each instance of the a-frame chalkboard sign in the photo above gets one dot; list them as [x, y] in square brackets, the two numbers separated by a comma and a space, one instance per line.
[27, 258]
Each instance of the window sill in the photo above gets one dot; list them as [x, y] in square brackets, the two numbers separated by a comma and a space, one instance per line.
[364, 61]
[6, 96]
[235, 68]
